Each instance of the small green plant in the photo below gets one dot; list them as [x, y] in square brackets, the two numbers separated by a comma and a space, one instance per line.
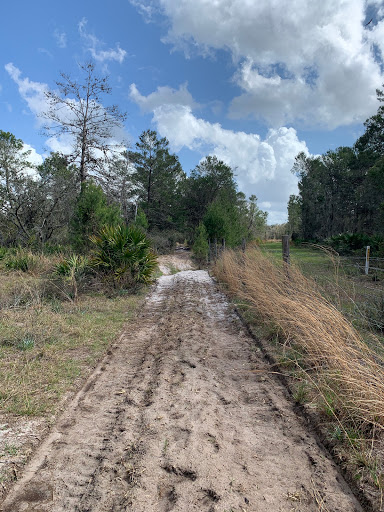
[337, 433]
[201, 246]
[165, 447]
[328, 403]
[301, 393]
[10, 449]
[365, 461]
[72, 269]
[22, 261]
[26, 343]
[354, 436]
[123, 253]
[73, 264]
[3, 252]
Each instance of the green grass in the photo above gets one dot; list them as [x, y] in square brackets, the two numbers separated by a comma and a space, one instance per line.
[47, 345]
[9, 449]
[173, 270]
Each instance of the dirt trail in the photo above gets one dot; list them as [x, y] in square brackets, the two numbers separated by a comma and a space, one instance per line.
[181, 415]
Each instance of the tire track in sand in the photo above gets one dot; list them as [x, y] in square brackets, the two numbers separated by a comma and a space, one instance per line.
[175, 419]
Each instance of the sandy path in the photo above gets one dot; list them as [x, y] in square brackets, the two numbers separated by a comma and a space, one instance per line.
[175, 419]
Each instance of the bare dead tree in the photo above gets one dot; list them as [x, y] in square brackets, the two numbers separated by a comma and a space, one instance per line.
[76, 109]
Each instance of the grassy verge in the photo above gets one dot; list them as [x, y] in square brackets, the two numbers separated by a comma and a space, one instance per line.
[53, 332]
[359, 297]
[48, 344]
[330, 368]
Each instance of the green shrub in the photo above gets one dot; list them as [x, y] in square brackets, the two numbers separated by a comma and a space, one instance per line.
[54, 249]
[201, 246]
[72, 265]
[92, 212]
[26, 343]
[141, 220]
[346, 243]
[71, 270]
[20, 260]
[123, 253]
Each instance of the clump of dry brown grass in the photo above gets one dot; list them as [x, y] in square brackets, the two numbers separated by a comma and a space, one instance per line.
[336, 358]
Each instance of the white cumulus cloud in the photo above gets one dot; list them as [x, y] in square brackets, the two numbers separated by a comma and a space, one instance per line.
[162, 96]
[32, 92]
[313, 62]
[34, 157]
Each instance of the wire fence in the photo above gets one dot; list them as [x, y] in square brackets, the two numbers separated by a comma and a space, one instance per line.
[359, 262]
[359, 288]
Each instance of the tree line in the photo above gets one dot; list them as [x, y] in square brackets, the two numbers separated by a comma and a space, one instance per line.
[341, 193]
[71, 197]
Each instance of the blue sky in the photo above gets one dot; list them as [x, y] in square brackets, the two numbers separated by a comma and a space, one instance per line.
[254, 82]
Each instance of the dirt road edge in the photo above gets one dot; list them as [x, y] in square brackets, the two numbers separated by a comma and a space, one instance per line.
[311, 418]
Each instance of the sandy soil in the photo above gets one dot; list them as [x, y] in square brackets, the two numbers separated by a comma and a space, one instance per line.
[181, 415]
[170, 263]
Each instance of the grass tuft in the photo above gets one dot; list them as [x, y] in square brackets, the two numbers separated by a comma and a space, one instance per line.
[350, 375]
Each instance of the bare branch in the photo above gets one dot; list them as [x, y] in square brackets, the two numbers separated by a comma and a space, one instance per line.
[76, 109]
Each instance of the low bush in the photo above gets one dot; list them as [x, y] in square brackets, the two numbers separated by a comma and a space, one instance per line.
[21, 260]
[201, 246]
[55, 249]
[72, 265]
[347, 243]
[72, 270]
[124, 255]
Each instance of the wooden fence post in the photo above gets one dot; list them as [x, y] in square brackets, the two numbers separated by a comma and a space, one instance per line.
[215, 248]
[367, 251]
[285, 241]
[223, 245]
[243, 244]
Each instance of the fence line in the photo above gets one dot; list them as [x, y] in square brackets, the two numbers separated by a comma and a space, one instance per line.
[216, 249]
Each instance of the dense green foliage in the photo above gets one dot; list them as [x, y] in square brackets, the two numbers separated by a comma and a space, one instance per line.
[211, 197]
[124, 253]
[92, 211]
[66, 201]
[47, 208]
[342, 191]
[35, 203]
[201, 246]
[158, 176]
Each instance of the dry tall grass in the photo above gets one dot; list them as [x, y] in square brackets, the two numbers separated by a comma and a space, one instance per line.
[349, 371]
